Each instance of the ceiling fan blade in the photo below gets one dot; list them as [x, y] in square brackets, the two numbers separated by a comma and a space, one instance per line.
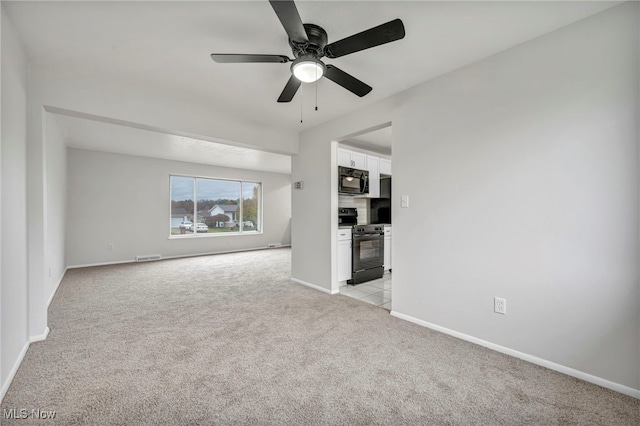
[290, 18]
[237, 58]
[385, 33]
[347, 81]
[290, 90]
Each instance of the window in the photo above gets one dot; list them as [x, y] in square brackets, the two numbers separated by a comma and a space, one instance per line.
[203, 206]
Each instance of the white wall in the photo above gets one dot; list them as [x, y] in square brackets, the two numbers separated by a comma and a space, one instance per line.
[529, 192]
[124, 200]
[522, 173]
[13, 154]
[55, 191]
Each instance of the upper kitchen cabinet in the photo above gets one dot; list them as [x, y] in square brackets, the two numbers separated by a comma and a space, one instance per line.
[355, 160]
[385, 167]
[373, 165]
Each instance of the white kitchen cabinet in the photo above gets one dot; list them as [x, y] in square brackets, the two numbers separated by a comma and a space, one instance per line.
[387, 248]
[373, 165]
[344, 254]
[355, 160]
[344, 157]
[385, 166]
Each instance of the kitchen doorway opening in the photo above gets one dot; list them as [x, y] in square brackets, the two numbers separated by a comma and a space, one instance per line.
[373, 147]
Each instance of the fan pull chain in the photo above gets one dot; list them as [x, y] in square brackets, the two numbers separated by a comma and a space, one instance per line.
[316, 88]
[301, 97]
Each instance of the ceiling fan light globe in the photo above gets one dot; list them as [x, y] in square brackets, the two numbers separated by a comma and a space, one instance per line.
[308, 70]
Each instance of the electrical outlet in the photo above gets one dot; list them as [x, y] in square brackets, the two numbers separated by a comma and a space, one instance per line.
[500, 305]
[110, 246]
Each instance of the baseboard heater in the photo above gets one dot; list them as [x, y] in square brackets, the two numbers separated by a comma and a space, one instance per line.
[148, 257]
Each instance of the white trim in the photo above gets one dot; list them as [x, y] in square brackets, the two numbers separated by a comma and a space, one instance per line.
[530, 358]
[40, 337]
[16, 365]
[213, 235]
[14, 370]
[315, 287]
[88, 265]
[55, 289]
[180, 256]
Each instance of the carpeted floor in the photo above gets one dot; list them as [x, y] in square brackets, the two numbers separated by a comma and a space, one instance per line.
[229, 339]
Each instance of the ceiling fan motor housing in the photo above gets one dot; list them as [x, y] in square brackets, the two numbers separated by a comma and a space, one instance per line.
[317, 41]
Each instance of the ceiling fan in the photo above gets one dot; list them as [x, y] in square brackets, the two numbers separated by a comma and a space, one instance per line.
[309, 43]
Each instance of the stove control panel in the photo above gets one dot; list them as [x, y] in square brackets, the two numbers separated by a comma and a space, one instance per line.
[368, 229]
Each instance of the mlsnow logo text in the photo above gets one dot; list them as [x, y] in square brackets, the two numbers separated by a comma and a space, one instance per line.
[23, 413]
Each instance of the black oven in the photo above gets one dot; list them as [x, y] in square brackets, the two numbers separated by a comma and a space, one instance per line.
[353, 181]
[367, 253]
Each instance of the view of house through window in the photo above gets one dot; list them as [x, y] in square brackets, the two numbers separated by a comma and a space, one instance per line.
[214, 206]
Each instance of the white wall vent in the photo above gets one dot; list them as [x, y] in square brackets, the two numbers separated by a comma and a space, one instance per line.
[274, 245]
[148, 257]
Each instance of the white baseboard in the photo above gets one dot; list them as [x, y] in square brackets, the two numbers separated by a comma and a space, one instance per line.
[39, 337]
[16, 365]
[89, 265]
[14, 370]
[530, 358]
[55, 290]
[179, 256]
[315, 287]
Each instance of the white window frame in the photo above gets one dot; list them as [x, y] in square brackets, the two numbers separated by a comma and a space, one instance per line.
[241, 231]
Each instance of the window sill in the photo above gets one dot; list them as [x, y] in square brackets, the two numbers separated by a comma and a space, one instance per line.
[212, 235]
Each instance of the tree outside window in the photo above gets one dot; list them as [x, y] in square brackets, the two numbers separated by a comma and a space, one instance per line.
[251, 206]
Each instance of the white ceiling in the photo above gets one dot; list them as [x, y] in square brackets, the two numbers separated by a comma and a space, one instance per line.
[165, 46]
[376, 140]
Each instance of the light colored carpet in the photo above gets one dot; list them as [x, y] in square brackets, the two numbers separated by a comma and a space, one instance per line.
[229, 339]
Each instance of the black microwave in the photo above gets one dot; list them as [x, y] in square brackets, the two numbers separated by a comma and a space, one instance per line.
[352, 181]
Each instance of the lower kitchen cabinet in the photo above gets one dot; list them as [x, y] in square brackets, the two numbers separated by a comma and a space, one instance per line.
[344, 254]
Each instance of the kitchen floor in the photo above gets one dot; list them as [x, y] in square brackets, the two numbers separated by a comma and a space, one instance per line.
[376, 292]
